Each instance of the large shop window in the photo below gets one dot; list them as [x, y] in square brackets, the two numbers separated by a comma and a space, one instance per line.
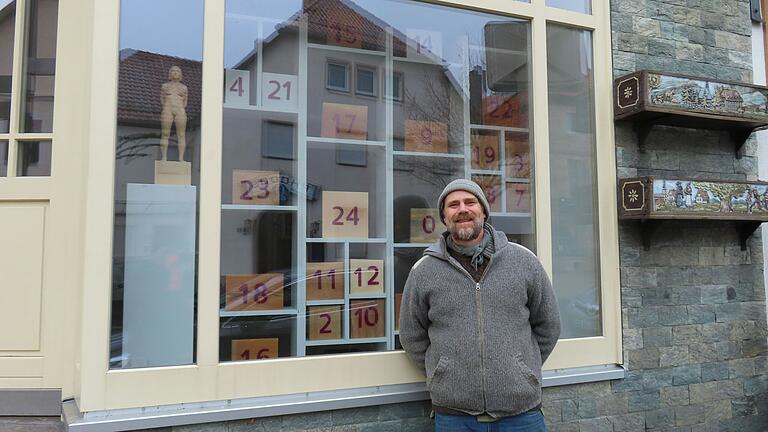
[157, 173]
[342, 122]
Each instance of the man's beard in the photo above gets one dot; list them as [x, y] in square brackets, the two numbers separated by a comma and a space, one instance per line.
[466, 233]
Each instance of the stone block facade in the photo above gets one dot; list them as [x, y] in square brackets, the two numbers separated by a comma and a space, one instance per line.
[693, 306]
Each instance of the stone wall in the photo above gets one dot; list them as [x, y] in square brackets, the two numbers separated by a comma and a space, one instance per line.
[693, 307]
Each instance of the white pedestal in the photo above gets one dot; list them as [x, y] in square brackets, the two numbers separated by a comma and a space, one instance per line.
[159, 285]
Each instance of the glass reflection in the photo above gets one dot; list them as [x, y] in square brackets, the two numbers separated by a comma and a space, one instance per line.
[33, 159]
[573, 170]
[157, 170]
[343, 121]
[584, 6]
[3, 158]
[39, 65]
[7, 29]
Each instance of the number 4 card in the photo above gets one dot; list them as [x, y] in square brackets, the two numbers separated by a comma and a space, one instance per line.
[366, 276]
[237, 88]
[345, 214]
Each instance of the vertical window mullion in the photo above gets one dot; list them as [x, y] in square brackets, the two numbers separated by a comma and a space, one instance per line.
[540, 151]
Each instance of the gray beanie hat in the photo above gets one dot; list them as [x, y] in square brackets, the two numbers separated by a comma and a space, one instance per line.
[467, 186]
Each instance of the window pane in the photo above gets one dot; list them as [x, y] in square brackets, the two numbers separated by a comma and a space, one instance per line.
[3, 158]
[366, 81]
[34, 159]
[313, 217]
[39, 65]
[584, 6]
[337, 77]
[575, 243]
[7, 29]
[157, 173]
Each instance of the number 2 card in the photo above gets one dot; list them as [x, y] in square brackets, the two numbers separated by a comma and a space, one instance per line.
[345, 214]
[324, 322]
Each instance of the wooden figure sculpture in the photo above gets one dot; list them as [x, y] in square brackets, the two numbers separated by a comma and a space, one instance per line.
[173, 98]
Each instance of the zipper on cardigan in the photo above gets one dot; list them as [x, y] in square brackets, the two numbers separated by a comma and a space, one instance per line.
[479, 302]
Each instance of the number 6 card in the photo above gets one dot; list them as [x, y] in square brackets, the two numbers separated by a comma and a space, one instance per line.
[255, 187]
[345, 214]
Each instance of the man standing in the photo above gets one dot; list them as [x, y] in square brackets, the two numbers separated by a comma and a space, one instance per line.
[479, 317]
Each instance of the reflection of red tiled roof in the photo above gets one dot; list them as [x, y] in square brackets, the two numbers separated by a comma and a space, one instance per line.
[329, 18]
[141, 76]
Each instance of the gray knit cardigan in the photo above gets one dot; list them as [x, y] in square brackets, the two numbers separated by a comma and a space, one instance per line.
[480, 345]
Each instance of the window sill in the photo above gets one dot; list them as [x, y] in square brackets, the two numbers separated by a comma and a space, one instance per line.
[219, 411]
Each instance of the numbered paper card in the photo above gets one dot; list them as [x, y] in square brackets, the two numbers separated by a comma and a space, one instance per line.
[424, 43]
[519, 197]
[324, 322]
[254, 349]
[345, 214]
[366, 276]
[325, 281]
[398, 302]
[491, 186]
[485, 152]
[426, 136]
[345, 121]
[279, 91]
[254, 292]
[366, 319]
[518, 157]
[503, 110]
[426, 226]
[255, 187]
[237, 87]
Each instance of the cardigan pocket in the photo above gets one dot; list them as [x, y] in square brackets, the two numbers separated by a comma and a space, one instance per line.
[439, 372]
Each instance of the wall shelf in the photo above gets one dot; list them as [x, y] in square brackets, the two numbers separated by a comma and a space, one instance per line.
[651, 201]
[648, 98]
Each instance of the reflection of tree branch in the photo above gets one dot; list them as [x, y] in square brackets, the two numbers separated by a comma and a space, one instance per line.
[136, 146]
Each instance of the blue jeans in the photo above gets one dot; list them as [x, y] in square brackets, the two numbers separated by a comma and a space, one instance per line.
[526, 422]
